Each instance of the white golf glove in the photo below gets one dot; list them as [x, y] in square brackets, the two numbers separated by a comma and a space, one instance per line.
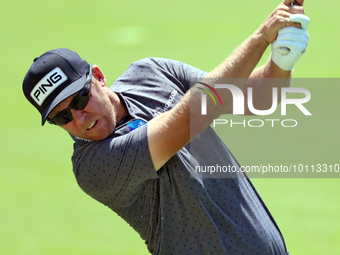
[291, 43]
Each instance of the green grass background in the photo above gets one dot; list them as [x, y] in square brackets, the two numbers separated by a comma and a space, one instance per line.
[43, 211]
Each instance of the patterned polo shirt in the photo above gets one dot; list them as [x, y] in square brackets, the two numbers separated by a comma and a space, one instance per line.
[175, 210]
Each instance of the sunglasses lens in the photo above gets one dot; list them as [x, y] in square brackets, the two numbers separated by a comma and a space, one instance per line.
[80, 101]
[62, 118]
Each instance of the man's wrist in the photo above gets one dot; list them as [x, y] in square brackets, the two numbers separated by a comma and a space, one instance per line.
[262, 36]
[277, 72]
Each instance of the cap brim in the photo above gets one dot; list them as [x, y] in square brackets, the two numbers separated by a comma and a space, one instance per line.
[67, 92]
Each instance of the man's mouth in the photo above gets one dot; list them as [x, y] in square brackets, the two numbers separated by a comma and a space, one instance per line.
[92, 125]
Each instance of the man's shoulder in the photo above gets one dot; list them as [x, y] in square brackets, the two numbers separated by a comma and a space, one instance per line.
[160, 67]
[151, 68]
[158, 63]
[155, 61]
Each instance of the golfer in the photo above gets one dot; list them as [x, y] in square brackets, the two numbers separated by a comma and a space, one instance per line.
[135, 146]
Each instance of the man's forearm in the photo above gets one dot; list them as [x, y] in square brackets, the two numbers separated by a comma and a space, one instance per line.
[243, 60]
[262, 80]
[236, 69]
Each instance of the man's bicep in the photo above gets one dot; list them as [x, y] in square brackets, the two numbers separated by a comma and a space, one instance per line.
[167, 134]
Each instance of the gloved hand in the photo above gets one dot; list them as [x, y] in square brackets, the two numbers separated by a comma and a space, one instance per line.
[291, 43]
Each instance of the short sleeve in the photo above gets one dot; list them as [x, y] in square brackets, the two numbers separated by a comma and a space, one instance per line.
[114, 171]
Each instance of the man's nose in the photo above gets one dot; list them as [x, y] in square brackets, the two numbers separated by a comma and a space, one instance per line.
[78, 116]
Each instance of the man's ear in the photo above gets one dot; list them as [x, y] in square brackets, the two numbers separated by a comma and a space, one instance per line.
[98, 75]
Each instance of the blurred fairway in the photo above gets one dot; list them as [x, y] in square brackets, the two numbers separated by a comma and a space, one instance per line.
[43, 211]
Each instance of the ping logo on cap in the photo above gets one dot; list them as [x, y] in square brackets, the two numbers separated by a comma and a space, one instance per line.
[47, 85]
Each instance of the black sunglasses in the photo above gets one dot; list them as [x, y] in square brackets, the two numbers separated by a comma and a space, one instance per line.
[79, 102]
